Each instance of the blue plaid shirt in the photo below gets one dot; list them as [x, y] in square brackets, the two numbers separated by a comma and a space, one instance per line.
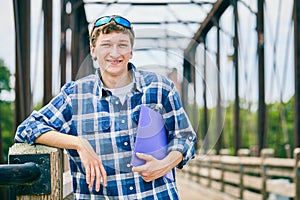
[87, 109]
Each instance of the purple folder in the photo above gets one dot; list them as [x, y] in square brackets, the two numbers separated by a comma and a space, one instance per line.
[151, 138]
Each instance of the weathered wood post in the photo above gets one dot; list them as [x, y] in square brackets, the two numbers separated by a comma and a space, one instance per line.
[265, 153]
[50, 185]
[297, 173]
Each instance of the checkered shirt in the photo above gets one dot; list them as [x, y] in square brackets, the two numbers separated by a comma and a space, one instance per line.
[87, 109]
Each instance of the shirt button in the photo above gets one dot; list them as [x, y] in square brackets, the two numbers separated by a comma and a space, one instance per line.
[190, 138]
[128, 165]
[122, 121]
[117, 102]
[130, 188]
[125, 143]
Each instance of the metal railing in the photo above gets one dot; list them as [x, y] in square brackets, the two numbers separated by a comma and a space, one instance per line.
[35, 172]
[19, 174]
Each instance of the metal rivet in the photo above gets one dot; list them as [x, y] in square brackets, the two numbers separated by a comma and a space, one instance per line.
[42, 160]
[17, 161]
[44, 187]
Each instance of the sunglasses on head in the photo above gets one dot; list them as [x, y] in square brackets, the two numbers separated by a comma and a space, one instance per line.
[118, 19]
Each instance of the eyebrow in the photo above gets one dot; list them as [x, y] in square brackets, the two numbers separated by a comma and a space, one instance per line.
[124, 41]
[107, 40]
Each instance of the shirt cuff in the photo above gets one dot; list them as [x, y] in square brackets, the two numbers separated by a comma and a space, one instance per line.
[184, 145]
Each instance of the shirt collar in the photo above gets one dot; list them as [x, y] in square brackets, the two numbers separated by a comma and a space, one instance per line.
[136, 84]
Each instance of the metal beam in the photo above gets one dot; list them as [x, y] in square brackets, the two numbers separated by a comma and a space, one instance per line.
[150, 3]
[206, 134]
[237, 133]
[64, 21]
[297, 72]
[166, 22]
[160, 38]
[213, 16]
[219, 111]
[23, 102]
[47, 8]
[80, 39]
[261, 129]
[187, 79]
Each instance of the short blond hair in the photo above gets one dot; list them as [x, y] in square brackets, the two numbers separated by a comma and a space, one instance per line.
[108, 28]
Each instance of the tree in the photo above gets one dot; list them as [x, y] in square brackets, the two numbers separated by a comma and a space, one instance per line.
[5, 110]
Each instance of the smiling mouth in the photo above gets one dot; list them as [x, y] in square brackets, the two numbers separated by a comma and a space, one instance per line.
[114, 62]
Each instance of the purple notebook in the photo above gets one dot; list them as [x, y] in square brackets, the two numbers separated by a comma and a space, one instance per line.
[151, 138]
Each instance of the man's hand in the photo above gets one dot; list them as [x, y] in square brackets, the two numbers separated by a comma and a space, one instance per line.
[93, 165]
[154, 168]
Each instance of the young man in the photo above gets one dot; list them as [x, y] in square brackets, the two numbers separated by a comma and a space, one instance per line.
[95, 119]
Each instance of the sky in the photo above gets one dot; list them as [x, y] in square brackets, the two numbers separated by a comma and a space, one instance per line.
[278, 61]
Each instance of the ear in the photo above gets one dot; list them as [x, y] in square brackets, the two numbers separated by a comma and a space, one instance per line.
[131, 54]
[92, 52]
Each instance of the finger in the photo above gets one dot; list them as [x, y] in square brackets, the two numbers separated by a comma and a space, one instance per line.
[92, 177]
[104, 175]
[98, 179]
[134, 169]
[145, 157]
[138, 169]
[146, 179]
[88, 174]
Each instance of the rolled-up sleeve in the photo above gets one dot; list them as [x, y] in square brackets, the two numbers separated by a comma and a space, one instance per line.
[56, 115]
[181, 135]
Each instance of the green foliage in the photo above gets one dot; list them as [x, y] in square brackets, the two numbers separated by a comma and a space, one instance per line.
[280, 128]
[279, 123]
[7, 124]
[6, 110]
[4, 77]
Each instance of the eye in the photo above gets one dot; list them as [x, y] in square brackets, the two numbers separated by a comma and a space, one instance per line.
[105, 45]
[123, 45]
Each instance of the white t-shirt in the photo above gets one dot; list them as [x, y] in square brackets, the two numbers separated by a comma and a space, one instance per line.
[122, 91]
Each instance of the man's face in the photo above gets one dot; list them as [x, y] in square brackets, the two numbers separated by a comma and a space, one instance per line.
[113, 52]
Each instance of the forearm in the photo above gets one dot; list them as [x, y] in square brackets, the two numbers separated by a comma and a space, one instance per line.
[91, 161]
[59, 140]
[173, 159]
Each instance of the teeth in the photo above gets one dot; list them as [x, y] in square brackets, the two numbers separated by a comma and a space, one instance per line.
[115, 61]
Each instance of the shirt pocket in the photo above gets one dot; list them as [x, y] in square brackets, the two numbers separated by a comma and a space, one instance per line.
[96, 125]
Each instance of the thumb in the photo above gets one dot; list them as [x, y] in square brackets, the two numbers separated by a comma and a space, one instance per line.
[145, 157]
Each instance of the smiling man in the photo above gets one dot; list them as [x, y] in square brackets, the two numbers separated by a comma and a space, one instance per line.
[95, 119]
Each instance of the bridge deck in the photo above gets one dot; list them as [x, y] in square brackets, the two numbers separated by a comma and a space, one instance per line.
[190, 190]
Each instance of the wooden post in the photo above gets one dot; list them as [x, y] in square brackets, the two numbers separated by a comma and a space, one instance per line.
[210, 166]
[242, 173]
[243, 152]
[56, 169]
[265, 153]
[297, 173]
[222, 177]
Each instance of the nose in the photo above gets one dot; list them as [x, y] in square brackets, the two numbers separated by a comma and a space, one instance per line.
[114, 51]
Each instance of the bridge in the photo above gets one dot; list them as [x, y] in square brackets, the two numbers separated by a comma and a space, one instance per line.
[41, 172]
[234, 62]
